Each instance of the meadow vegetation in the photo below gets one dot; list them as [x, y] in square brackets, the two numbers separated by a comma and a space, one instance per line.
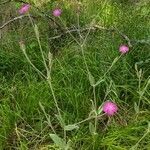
[57, 71]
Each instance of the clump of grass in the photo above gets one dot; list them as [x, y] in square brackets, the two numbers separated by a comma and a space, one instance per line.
[55, 102]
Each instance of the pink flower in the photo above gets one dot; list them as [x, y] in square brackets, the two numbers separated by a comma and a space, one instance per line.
[109, 108]
[57, 12]
[24, 8]
[123, 49]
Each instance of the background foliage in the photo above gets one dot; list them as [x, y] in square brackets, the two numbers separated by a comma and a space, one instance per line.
[24, 123]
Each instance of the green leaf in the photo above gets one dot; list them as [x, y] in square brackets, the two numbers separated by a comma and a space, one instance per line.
[36, 31]
[22, 46]
[61, 121]
[17, 5]
[115, 60]
[71, 127]
[148, 126]
[50, 60]
[100, 109]
[41, 107]
[68, 147]
[58, 141]
[91, 79]
[33, 45]
[99, 81]
[136, 108]
[91, 128]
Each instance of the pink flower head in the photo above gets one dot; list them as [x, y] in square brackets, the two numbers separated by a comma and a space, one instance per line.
[109, 108]
[57, 12]
[123, 49]
[24, 8]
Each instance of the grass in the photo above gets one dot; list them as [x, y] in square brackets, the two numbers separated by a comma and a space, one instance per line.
[29, 118]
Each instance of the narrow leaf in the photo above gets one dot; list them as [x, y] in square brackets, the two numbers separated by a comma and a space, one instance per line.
[58, 141]
[136, 107]
[36, 31]
[41, 107]
[99, 110]
[91, 79]
[99, 81]
[68, 147]
[148, 126]
[61, 121]
[71, 127]
[91, 128]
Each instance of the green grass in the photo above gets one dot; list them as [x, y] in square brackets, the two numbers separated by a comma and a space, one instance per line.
[27, 107]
